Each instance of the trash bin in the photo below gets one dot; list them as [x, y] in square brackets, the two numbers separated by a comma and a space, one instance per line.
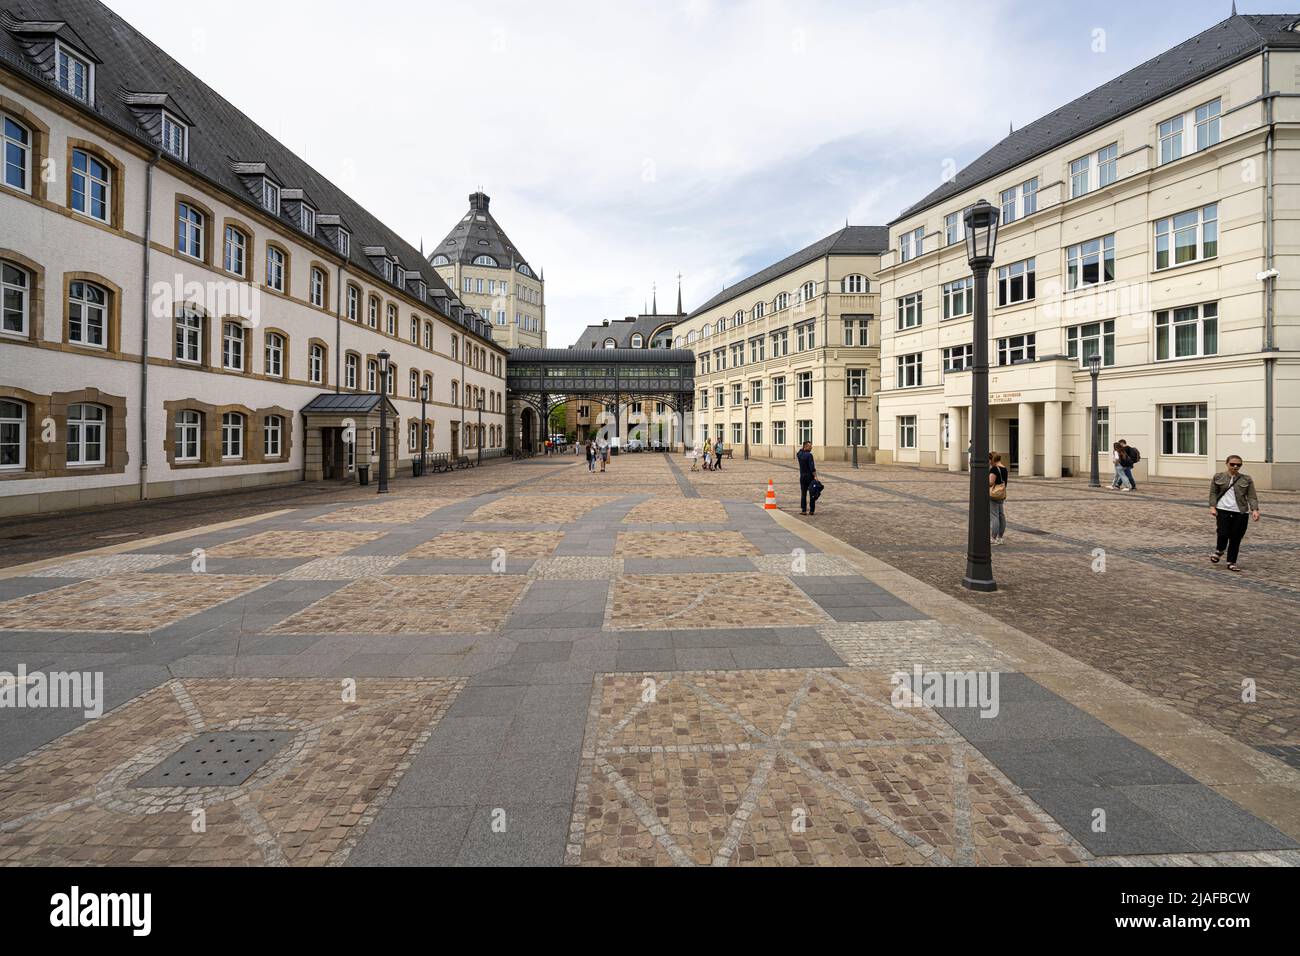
[363, 474]
[417, 468]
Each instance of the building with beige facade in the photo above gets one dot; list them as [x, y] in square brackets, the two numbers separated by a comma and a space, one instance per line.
[1156, 221]
[792, 353]
[187, 305]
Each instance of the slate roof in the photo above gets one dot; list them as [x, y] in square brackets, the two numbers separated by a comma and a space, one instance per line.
[1221, 46]
[127, 62]
[479, 234]
[622, 330]
[851, 240]
[345, 402]
[621, 356]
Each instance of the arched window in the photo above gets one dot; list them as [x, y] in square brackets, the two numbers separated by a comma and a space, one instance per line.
[316, 364]
[91, 182]
[15, 299]
[855, 285]
[760, 309]
[232, 346]
[189, 435]
[372, 376]
[415, 383]
[782, 301]
[455, 393]
[611, 344]
[189, 335]
[318, 288]
[354, 303]
[234, 257]
[232, 435]
[13, 436]
[739, 317]
[390, 321]
[638, 341]
[415, 330]
[274, 354]
[275, 268]
[16, 140]
[485, 261]
[524, 270]
[807, 291]
[677, 341]
[372, 312]
[440, 260]
[87, 315]
[352, 368]
[428, 335]
[690, 337]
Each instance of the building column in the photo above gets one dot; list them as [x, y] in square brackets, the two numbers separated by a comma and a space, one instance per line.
[1027, 429]
[955, 447]
[1052, 440]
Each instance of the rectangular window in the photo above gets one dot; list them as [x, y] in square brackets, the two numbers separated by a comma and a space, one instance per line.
[1189, 332]
[232, 436]
[756, 392]
[910, 244]
[14, 299]
[1192, 235]
[756, 433]
[778, 433]
[958, 298]
[189, 337]
[953, 227]
[1016, 282]
[907, 432]
[858, 381]
[1103, 436]
[720, 397]
[1082, 342]
[189, 428]
[909, 371]
[909, 311]
[271, 196]
[17, 144]
[958, 358]
[1080, 176]
[780, 343]
[87, 315]
[1093, 171]
[73, 75]
[805, 428]
[737, 394]
[90, 185]
[778, 388]
[806, 336]
[738, 355]
[274, 269]
[756, 350]
[737, 434]
[1016, 349]
[232, 347]
[174, 136]
[1020, 201]
[1090, 263]
[1190, 132]
[855, 432]
[272, 436]
[274, 355]
[189, 231]
[1186, 429]
[803, 384]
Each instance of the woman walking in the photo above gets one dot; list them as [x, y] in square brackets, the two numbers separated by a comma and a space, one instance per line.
[1234, 503]
[998, 477]
[1119, 460]
[591, 457]
[708, 454]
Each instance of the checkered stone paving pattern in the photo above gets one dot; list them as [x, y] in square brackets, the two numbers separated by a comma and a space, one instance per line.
[650, 602]
[294, 544]
[678, 510]
[412, 604]
[135, 603]
[72, 802]
[102, 565]
[683, 544]
[485, 544]
[791, 768]
[803, 564]
[576, 569]
[900, 645]
[540, 509]
[395, 511]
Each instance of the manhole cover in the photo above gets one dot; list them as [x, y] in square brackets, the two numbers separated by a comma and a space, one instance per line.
[215, 760]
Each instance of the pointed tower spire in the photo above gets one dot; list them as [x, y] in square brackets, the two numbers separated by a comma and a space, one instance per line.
[1011, 128]
[679, 294]
[654, 299]
[1234, 7]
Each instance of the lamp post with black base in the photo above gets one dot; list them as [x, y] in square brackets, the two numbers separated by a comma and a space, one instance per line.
[479, 437]
[981, 243]
[383, 422]
[1094, 369]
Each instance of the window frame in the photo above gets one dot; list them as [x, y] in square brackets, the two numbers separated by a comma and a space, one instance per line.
[84, 427]
[26, 149]
[1076, 336]
[1171, 231]
[233, 426]
[85, 306]
[273, 437]
[1077, 261]
[910, 307]
[1024, 344]
[910, 366]
[1171, 416]
[188, 433]
[93, 188]
[1026, 272]
[24, 294]
[1167, 319]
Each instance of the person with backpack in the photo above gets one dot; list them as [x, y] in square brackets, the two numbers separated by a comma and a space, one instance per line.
[1117, 459]
[591, 457]
[1131, 457]
[1234, 504]
[717, 454]
[807, 476]
[998, 478]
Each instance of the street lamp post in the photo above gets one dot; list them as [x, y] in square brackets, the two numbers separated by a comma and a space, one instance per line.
[746, 435]
[1094, 369]
[857, 427]
[981, 243]
[478, 439]
[383, 422]
[424, 451]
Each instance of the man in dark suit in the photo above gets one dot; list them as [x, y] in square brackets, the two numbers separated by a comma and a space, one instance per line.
[807, 474]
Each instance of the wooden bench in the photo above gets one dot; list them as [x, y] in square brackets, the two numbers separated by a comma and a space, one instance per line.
[464, 462]
[440, 461]
[726, 452]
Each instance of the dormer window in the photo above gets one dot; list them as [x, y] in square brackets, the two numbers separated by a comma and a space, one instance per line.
[399, 275]
[74, 75]
[271, 197]
[345, 243]
[439, 260]
[175, 137]
[308, 220]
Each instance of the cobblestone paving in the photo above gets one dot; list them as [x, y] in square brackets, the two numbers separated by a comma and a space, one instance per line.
[414, 604]
[72, 802]
[483, 544]
[136, 603]
[629, 694]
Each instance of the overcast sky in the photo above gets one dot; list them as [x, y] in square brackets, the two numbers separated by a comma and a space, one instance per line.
[625, 142]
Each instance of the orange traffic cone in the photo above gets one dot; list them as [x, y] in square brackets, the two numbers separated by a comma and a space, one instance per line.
[770, 504]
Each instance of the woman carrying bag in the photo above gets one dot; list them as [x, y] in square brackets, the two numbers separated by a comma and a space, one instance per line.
[998, 477]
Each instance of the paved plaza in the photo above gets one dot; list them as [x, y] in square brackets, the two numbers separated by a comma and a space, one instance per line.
[527, 663]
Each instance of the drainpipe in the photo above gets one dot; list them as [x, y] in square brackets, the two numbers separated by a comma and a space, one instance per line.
[338, 333]
[826, 355]
[1270, 286]
[144, 328]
